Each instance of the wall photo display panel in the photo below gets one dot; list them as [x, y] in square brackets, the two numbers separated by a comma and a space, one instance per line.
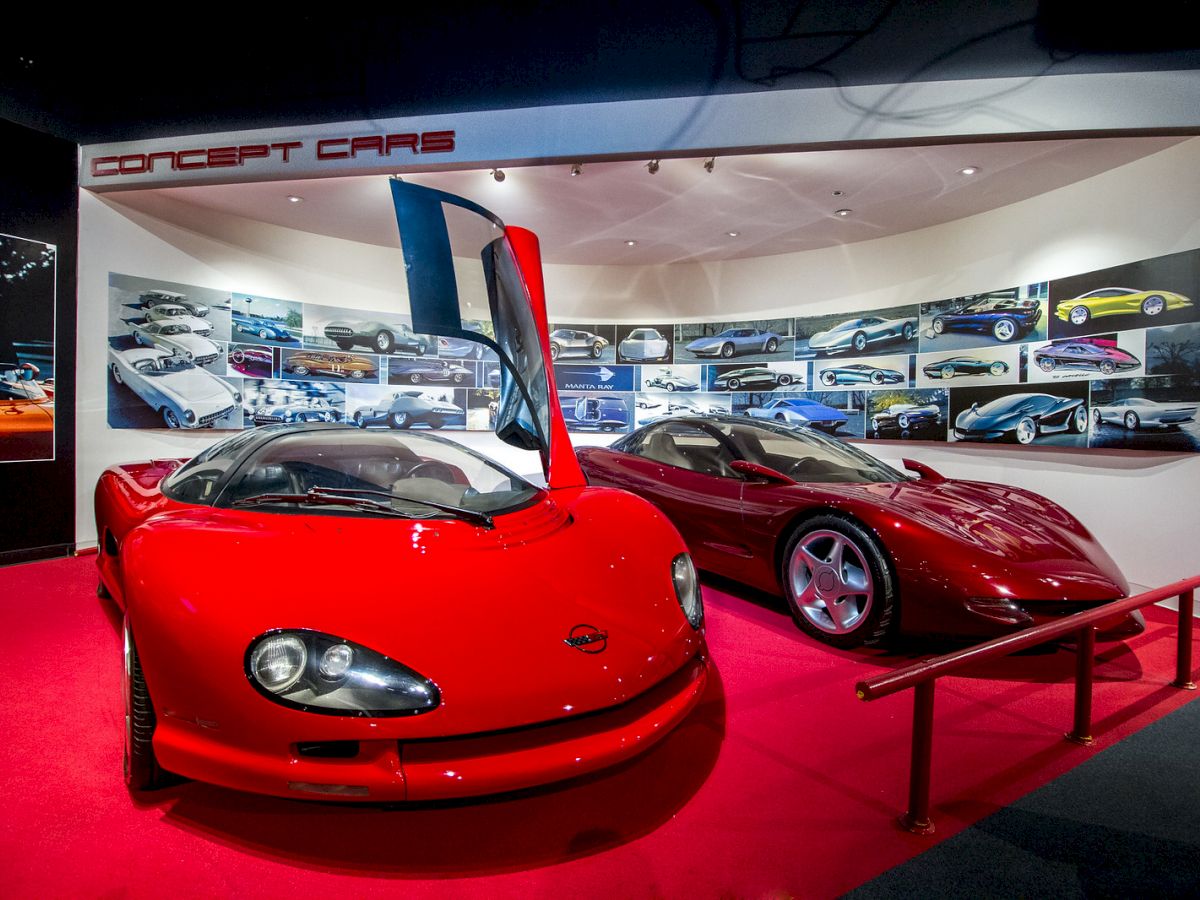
[28, 270]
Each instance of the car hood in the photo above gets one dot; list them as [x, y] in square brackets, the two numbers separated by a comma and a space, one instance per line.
[196, 386]
[706, 343]
[1043, 548]
[483, 613]
[195, 344]
[822, 338]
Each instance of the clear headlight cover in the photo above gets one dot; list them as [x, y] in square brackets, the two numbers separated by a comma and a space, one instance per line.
[324, 674]
[687, 589]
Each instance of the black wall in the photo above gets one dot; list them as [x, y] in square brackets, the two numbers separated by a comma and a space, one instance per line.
[39, 201]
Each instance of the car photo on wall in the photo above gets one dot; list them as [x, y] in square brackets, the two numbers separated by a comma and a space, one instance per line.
[178, 392]
[649, 343]
[1023, 418]
[1003, 319]
[1095, 355]
[754, 378]
[1117, 301]
[858, 373]
[429, 371]
[1146, 414]
[856, 335]
[157, 297]
[410, 409]
[799, 411]
[910, 415]
[306, 363]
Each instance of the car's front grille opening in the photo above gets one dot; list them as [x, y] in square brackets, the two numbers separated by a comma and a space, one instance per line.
[328, 749]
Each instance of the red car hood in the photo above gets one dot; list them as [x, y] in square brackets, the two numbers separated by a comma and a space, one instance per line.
[483, 613]
[1047, 553]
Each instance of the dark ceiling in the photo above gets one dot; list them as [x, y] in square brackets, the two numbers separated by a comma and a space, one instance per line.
[122, 73]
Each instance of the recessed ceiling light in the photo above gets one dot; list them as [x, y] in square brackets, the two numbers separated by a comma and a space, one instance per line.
[733, 233]
[842, 212]
[576, 169]
[838, 193]
[631, 243]
[653, 166]
[498, 174]
[292, 198]
[969, 170]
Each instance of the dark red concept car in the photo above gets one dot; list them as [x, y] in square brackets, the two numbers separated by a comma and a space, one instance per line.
[860, 550]
[467, 632]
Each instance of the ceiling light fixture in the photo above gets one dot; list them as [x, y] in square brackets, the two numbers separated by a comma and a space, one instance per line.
[969, 170]
[576, 169]
[292, 198]
[842, 212]
[733, 233]
[838, 193]
[631, 243]
[709, 163]
[498, 174]
[653, 166]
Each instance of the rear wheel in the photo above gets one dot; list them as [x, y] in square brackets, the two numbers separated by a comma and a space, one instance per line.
[907, 332]
[359, 420]
[726, 351]
[947, 371]
[772, 345]
[838, 582]
[784, 379]
[939, 325]
[399, 420]
[299, 370]
[597, 349]
[876, 378]
[670, 387]
[1107, 367]
[116, 373]
[554, 351]
[828, 379]
[263, 334]
[998, 368]
[142, 771]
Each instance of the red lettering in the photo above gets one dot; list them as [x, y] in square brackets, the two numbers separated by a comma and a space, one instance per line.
[222, 156]
[393, 141]
[132, 164]
[155, 157]
[105, 161]
[180, 164]
[252, 151]
[437, 142]
[324, 153]
[287, 147]
[374, 142]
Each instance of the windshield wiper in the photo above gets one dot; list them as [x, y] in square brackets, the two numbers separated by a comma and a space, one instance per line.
[348, 497]
[471, 515]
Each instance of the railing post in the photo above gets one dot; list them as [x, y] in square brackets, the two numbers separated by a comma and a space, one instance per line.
[917, 818]
[1183, 658]
[1085, 660]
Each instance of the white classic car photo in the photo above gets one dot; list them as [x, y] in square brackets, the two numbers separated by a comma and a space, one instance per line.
[183, 394]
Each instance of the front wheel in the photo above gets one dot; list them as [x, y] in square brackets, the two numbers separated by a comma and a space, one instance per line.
[142, 771]
[116, 373]
[554, 351]
[1079, 315]
[1152, 306]
[734, 384]
[838, 583]
[344, 345]
[384, 342]
[1107, 367]
[458, 378]
[726, 351]
[1132, 421]
[1004, 330]
[784, 379]
[597, 349]
[414, 378]
[359, 420]
[772, 345]
[670, 387]
[1026, 430]
[358, 373]
[1097, 419]
[169, 417]
[1046, 364]
[998, 368]
[1079, 420]
[939, 325]
[947, 372]
[828, 379]
[907, 332]
[299, 370]
[860, 342]
[876, 378]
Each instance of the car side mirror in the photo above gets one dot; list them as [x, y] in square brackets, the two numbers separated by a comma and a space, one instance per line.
[926, 472]
[765, 473]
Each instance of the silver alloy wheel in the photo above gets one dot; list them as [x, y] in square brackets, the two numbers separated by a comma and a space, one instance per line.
[116, 374]
[415, 378]
[828, 378]
[998, 368]
[384, 342]
[1097, 418]
[831, 581]
[1079, 315]
[727, 350]
[262, 334]
[860, 342]
[554, 351]
[1004, 330]
[1026, 431]
[169, 417]
[1079, 421]
[1046, 364]
[733, 384]
[784, 379]
[902, 420]
[772, 345]
[1152, 306]
[1107, 367]
[1131, 420]
[300, 370]
[939, 325]
[947, 371]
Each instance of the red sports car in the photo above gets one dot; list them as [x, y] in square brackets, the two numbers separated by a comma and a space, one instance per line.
[466, 632]
[860, 550]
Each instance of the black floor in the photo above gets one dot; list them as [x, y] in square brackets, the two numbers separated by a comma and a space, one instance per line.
[1126, 823]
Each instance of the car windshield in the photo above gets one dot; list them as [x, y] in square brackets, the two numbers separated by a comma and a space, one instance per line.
[173, 329]
[350, 473]
[805, 455]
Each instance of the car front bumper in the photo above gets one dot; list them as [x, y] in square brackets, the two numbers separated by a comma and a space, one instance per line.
[436, 769]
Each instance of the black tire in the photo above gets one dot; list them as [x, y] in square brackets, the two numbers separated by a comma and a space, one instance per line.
[670, 387]
[299, 370]
[939, 325]
[554, 352]
[421, 349]
[1097, 420]
[859, 342]
[344, 345]
[727, 351]
[415, 378]
[828, 378]
[458, 378]
[359, 420]
[116, 373]
[384, 341]
[142, 771]
[597, 350]
[998, 368]
[733, 384]
[772, 345]
[1046, 364]
[875, 607]
[1107, 367]
[400, 420]
[876, 378]
[1154, 304]
[784, 379]
[1079, 420]
[170, 419]
[907, 332]
[1132, 420]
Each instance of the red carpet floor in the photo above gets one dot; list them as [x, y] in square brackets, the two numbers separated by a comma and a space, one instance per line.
[781, 783]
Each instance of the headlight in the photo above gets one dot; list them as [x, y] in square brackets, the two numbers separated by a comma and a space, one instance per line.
[189, 415]
[237, 397]
[321, 673]
[687, 589]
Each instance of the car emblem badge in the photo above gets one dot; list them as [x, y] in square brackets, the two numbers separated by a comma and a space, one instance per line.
[587, 639]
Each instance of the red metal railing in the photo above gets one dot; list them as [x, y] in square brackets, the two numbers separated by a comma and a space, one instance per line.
[922, 676]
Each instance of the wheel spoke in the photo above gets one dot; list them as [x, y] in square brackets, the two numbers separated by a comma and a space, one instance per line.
[836, 552]
[842, 612]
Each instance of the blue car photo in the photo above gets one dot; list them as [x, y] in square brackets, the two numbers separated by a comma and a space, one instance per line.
[263, 329]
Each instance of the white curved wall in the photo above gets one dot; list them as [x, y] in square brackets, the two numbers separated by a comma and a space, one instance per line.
[1145, 507]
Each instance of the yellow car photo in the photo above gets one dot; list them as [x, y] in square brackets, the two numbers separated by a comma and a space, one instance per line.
[1114, 301]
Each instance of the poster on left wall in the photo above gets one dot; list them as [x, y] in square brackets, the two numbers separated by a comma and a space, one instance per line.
[27, 297]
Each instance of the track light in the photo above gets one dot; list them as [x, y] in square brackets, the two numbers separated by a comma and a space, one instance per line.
[709, 163]
[576, 169]
[498, 174]
[653, 166]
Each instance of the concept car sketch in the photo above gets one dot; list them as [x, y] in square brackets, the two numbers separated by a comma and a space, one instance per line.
[858, 334]
[1138, 412]
[1021, 418]
[1103, 358]
[1117, 301]
[964, 365]
[860, 374]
